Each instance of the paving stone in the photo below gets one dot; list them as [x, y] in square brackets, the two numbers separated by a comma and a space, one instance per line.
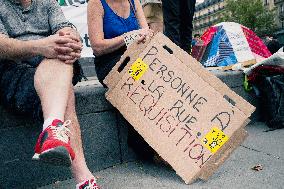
[264, 140]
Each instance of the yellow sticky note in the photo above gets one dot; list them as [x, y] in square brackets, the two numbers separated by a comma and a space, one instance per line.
[215, 139]
[137, 69]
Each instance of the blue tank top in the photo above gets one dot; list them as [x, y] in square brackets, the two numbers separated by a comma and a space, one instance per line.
[115, 25]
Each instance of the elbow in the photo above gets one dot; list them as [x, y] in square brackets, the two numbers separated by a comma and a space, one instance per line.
[98, 49]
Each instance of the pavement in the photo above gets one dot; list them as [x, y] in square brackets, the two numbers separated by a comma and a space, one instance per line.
[263, 146]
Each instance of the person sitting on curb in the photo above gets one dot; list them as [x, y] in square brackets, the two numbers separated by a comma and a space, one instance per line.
[38, 50]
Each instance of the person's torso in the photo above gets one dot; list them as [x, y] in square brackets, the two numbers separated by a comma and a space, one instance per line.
[115, 25]
[25, 24]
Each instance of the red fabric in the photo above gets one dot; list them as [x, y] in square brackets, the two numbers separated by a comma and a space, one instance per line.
[198, 50]
[208, 35]
[256, 44]
[91, 184]
[264, 70]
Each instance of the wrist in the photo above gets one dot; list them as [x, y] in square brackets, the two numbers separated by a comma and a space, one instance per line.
[36, 47]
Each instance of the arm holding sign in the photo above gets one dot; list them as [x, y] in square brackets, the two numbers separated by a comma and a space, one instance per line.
[140, 15]
[102, 45]
[95, 29]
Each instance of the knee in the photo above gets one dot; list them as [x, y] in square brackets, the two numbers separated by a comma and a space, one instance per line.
[51, 69]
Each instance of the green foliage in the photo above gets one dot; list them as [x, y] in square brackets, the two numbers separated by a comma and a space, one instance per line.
[252, 14]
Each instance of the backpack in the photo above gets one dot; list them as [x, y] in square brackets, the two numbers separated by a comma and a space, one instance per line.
[272, 100]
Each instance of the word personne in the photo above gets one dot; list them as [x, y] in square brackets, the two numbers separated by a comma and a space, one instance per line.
[187, 93]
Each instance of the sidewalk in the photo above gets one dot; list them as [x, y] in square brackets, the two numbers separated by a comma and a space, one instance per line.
[261, 147]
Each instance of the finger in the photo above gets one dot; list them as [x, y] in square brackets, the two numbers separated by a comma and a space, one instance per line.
[70, 56]
[64, 58]
[73, 37]
[63, 40]
[61, 33]
[74, 46]
[140, 40]
[63, 50]
[70, 61]
[75, 54]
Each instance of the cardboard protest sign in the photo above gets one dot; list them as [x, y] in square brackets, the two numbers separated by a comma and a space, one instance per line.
[192, 119]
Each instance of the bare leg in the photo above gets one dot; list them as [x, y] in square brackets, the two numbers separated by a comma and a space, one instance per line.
[52, 83]
[79, 168]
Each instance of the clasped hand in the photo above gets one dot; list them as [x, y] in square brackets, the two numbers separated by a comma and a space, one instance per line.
[65, 46]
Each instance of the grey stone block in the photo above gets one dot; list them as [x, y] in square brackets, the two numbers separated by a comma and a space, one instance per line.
[230, 78]
[127, 154]
[17, 170]
[100, 139]
[90, 98]
[89, 61]
[89, 71]
[7, 119]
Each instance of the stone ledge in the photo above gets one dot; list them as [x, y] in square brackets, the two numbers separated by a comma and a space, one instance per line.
[90, 97]
[230, 78]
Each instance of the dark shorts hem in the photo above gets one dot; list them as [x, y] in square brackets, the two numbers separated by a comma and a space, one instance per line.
[17, 92]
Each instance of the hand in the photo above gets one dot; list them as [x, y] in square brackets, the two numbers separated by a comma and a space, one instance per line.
[145, 34]
[70, 57]
[66, 48]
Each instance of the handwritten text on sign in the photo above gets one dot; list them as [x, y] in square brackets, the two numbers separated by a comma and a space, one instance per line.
[177, 119]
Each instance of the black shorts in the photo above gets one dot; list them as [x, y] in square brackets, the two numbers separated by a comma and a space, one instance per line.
[17, 92]
[104, 63]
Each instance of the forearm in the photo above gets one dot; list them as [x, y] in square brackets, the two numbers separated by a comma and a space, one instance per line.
[17, 49]
[106, 46]
[140, 15]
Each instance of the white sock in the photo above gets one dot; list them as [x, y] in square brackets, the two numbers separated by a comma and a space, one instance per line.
[48, 122]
